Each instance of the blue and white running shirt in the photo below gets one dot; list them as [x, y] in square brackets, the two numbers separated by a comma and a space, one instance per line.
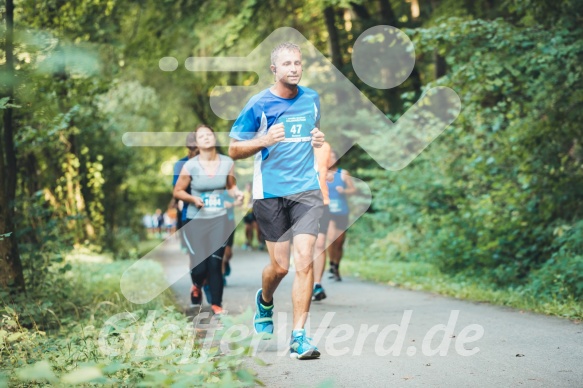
[287, 167]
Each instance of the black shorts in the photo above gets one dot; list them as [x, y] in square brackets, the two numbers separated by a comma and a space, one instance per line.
[324, 220]
[249, 218]
[340, 220]
[282, 218]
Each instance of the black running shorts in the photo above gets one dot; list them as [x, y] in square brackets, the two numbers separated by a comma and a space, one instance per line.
[282, 218]
[340, 220]
[249, 218]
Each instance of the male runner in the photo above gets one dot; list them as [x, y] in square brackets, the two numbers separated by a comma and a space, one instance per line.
[280, 126]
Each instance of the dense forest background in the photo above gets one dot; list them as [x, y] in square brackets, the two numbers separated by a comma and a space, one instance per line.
[497, 196]
[496, 200]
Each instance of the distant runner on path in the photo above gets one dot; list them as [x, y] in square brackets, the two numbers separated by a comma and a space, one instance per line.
[340, 185]
[323, 160]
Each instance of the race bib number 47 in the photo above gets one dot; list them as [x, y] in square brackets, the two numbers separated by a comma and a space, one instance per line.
[296, 129]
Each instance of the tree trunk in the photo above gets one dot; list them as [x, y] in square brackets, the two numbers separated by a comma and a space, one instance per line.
[387, 13]
[394, 103]
[334, 50]
[10, 264]
[360, 11]
[333, 38]
[440, 65]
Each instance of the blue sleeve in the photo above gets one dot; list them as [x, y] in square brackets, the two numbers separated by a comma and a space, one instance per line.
[248, 122]
[177, 168]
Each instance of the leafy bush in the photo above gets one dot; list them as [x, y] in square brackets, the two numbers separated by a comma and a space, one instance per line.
[55, 334]
[561, 277]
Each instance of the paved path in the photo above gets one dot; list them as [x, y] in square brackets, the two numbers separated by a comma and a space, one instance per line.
[515, 349]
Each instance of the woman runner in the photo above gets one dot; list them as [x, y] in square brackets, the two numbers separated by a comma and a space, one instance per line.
[209, 175]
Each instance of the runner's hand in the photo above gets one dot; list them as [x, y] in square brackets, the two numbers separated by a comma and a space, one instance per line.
[275, 134]
[238, 196]
[317, 138]
[198, 202]
[340, 189]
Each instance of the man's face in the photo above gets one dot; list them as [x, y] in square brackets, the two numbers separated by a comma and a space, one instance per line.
[288, 67]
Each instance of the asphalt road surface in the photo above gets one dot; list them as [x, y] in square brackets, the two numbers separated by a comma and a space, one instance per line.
[379, 336]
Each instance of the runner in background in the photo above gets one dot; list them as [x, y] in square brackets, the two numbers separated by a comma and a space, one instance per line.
[230, 203]
[249, 218]
[323, 161]
[251, 225]
[159, 222]
[340, 185]
[182, 206]
[172, 219]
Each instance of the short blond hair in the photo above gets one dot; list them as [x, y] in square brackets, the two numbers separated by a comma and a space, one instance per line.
[283, 46]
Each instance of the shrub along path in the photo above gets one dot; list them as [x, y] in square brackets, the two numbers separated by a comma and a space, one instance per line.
[383, 336]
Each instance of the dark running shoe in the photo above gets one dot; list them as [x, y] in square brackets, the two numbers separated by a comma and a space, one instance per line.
[318, 293]
[335, 274]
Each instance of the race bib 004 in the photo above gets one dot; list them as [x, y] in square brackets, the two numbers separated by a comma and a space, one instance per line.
[213, 200]
[296, 129]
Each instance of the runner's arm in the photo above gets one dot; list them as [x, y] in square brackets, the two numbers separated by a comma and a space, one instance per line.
[232, 188]
[241, 149]
[180, 189]
[350, 188]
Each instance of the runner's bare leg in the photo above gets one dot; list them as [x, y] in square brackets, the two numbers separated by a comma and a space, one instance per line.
[304, 280]
[277, 268]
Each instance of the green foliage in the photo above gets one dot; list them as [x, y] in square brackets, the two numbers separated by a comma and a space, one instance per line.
[56, 334]
[491, 210]
[517, 171]
[561, 277]
[497, 198]
[427, 277]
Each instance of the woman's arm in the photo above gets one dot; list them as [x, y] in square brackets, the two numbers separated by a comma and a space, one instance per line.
[180, 189]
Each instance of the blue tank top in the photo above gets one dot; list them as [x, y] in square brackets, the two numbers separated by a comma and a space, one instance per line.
[338, 204]
[287, 167]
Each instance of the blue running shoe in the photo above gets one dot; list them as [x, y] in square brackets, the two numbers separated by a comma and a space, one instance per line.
[263, 319]
[300, 346]
[318, 293]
